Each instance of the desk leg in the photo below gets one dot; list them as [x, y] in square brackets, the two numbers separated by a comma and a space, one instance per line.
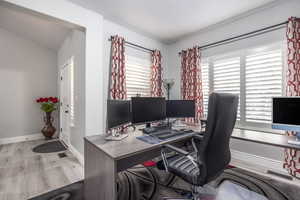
[100, 174]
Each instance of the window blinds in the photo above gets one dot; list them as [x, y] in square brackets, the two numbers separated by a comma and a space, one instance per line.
[138, 74]
[205, 84]
[226, 77]
[263, 81]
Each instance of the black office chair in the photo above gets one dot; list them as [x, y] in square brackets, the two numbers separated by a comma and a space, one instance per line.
[212, 152]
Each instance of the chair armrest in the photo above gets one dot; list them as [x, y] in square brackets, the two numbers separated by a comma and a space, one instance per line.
[198, 136]
[177, 150]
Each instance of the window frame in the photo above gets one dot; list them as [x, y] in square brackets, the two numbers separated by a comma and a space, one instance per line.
[242, 123]
[141, 61]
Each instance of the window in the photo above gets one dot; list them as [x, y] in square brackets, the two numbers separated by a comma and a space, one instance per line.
[227, 76]
[205, 84]
[256, 75]
[138, 75]
[263, 81]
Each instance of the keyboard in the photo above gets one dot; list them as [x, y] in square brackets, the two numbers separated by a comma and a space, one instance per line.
[166, 134]
[152, 130]
[170, 135]
[161, 132]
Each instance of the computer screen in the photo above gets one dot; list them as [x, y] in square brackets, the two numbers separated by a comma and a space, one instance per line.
[180, 108]
[286, 113]
[118, 113]
[148, 109]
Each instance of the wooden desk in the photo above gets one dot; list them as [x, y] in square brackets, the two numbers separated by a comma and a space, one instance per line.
[104, 159]
[264, 138]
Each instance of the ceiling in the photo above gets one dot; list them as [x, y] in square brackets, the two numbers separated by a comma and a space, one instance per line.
[45, 31]
[169, 20]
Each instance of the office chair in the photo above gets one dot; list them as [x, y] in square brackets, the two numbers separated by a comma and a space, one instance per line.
[212, 153]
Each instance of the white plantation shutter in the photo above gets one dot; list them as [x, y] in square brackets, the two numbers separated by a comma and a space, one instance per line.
[205, 83]
[138, 74]
[256, 75]
[263, 81]
[227, 76]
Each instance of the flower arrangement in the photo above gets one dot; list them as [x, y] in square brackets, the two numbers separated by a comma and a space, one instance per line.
[48, 104]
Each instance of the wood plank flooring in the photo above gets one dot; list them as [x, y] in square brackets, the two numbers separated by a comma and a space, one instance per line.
[24, 174]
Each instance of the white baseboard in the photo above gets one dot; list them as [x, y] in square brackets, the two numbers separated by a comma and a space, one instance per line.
[24, 138]
[262, 162]
[77, 154]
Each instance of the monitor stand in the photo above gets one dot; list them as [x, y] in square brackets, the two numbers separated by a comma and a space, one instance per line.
[148, 125]
[116, 136]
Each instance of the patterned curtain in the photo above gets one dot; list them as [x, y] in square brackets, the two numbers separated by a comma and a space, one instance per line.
[118, 78]
[191, 82]
[156, 74]
[292, 157]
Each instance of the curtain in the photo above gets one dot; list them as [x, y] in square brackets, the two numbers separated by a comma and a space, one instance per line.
[156, 74]
[191, 80]
[292, 157]
[118, 76]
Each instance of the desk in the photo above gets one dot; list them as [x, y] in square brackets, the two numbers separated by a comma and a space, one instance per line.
[264, 138]
[104, 159]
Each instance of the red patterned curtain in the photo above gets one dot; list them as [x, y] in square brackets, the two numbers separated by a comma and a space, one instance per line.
[191, 82]
[118, 76]
[292, 157]
[156, 74]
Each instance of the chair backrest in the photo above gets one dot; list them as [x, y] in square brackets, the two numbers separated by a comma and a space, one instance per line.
[214, 150]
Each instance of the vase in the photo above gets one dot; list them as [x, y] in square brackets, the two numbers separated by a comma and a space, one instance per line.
[48, 130]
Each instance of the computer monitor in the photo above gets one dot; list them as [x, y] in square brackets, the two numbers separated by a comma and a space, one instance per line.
[180, 108]
[286, 113]
[118, 113]
[148, 109]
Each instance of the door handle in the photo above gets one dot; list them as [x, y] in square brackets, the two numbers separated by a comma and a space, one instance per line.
[67, 111]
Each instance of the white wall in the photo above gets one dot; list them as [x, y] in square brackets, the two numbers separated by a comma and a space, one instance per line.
[92, 22]
[110, 29]
[247, 23]
[74, 46]
[27, 71]
[96, 68]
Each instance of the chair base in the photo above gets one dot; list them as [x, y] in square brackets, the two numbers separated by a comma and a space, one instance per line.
[198, 193]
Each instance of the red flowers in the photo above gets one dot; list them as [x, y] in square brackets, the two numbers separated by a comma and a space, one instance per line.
[47, 100]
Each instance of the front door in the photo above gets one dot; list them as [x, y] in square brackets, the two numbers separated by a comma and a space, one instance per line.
[65, 104]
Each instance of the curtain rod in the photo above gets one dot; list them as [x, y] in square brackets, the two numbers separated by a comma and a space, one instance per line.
[244, 36]
[135, 45]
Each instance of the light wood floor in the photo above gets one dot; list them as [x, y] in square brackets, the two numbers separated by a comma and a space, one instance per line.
[24, 174]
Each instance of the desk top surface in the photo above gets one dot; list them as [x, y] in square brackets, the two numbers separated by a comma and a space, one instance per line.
[131, 145]
[266, 138]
